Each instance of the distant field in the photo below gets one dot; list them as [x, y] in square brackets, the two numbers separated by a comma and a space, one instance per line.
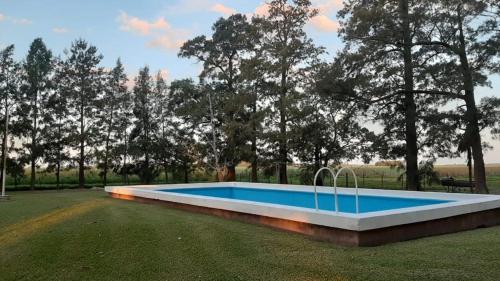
[369, 176]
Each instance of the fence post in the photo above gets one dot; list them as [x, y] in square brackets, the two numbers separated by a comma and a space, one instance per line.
[382, 179]
[346, 180]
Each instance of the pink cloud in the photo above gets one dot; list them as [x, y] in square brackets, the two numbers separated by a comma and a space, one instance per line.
[166, 42]
[328, 6]
[165, 74]
[143, 27]
[161, 33]
[324, 23]
[224, 10]
[2, 17]
[262, 10]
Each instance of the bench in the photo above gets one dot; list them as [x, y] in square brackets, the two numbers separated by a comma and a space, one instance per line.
[453, 185]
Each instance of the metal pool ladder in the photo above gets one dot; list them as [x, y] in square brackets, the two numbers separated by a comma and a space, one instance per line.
[335, 176]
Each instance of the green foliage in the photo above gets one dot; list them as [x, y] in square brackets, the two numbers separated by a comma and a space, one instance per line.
[82, 81]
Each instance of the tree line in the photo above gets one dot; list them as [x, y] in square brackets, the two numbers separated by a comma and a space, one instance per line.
[266, 95]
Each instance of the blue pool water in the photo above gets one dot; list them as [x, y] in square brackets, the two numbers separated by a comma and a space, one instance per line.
[306, 199]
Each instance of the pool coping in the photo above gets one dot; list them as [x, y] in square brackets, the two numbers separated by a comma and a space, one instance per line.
[463, 204]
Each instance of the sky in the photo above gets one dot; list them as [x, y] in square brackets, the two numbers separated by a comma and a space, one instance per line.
[150, 32]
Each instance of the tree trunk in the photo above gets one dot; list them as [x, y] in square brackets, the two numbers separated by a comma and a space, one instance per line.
[58, 174]
[165, 167]
[317, 166]
[34, 144]
[81, 160]
[106, 152]
[186, 174]
[283, 150]
[469, 167]
[254, 175]
[231, 173]
[473, 133]
[125, 169]
[413, 181]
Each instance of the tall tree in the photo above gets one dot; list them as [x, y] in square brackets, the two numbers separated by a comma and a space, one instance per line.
[253, 72]
[9, 89]
[222, 56]
[57, 130]
[83, 79]
[287, 51]
[145, 126]
[190, 108]
[38, 70]
[124, 121]
[329, 130]
[468, 36]
[410, 108]
[389, 73]
[163, 144]
[115, 90]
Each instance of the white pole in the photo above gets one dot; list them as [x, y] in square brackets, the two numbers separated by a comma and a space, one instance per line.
[4, 166]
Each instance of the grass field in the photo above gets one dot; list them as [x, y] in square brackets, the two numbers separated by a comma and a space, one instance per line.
[85, 235]
[369, 176]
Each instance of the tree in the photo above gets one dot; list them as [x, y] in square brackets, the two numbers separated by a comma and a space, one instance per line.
[37, 82]
[83, 79]
[222, 56]
[142, 136]
[190, 107]
[57, 130]
[469, 39]
[115, 90]
[15, 169]
[164, 139]
[9, 89]
[328, 130]
[287, 49]
[378, 36]
[253, 73]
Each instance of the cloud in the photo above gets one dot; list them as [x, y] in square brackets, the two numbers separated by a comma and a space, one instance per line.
[143, 27]
[160, 33]
[168, 42]
[328, 6]
[324, 23]
[262, 10]
[221, 9]
[60, 30]
[165, 74]
[22, 21]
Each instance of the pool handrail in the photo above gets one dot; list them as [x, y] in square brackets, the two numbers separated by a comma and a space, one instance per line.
[355, 184]
[334, 187]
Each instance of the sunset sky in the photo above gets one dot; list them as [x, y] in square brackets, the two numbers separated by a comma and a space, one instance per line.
[150, 32]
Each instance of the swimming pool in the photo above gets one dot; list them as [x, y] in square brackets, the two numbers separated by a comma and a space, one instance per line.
[384, 216]
[367, 203]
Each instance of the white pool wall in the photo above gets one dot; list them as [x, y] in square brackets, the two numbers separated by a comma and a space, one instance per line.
[462, 204]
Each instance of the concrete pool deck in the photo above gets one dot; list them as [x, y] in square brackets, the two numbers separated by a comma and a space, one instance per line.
[467, 211]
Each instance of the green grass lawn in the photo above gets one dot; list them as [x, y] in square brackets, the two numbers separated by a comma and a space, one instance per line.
[85, 235]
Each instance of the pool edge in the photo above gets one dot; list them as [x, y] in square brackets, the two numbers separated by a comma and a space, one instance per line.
[373, 237]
